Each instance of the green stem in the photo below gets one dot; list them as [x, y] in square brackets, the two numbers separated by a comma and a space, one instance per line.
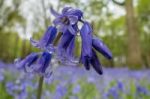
[39, 90]
[39, 93]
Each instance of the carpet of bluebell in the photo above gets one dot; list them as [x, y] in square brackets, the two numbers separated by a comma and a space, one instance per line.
[74, 82]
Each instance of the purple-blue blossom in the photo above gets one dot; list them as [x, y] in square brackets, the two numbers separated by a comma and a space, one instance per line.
[36, 63]
[66, 23]
[27, 61]
[89, 44]
[45, 43]
[67, 19]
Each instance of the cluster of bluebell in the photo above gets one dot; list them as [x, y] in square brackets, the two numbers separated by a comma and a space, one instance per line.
[65, 26]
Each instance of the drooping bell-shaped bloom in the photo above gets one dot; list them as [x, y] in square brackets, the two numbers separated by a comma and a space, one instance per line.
[86, 36]
[71, 59]
[63, 45]
[36, 63]
[45, 42]
[43, 64]
[96, 63]
[101, 47]
[70, 49]
[67, 19]
[86, 51]
[27, 61]
[88, 54]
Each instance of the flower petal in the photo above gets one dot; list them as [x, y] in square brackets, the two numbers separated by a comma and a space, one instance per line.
[70, 49]
[63, 28]
[57, 21]
[86, 51]
[28, 61]
[86, 61]
[66, 9]
[86, 36]
[54, 12]
[66, 39]
[96, 63]
[47, 38]
[63, 45]
[73, 19]
[71, 29]
[101, 47]
[43, 62]
[34, 43]
[75, 12]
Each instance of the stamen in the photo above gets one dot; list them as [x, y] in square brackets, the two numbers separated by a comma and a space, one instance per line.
[65, 20]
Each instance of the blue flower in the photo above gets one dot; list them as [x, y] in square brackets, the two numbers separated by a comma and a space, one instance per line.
[112, 92]
[28, 61]
[67, 24]
[70, 49]
[36, 63]
[71, 11]
[101, 47]
[60, 92]
[89, 44]
[141, 90]
[76, 89]
[63, 45]
[96, 63]
[86, 52]
[43, 63]
[67, 19]
[46, 41]
[17, 90]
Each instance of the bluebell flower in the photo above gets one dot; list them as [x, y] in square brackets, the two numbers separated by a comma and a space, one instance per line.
[120, 85]
[27, 61]
[96, 63]
[141, 90]
[67, 19]
[71, 11]
[112, 92]
[101, 47]
[18, 91]
[60, 92]
[76, 89]
[65, 51]
[43, 64]
[89, 44]
[45, 42]
[86, 52]
[70, 49]
[36, 63]
[63, 45]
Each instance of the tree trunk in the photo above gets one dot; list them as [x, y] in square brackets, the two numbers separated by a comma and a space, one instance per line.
[134, 53]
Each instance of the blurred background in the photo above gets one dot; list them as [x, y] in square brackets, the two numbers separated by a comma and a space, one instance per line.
[123, 25]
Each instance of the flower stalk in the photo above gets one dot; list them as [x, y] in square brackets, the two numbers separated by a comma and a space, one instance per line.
[41, 79]
[39, 90]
